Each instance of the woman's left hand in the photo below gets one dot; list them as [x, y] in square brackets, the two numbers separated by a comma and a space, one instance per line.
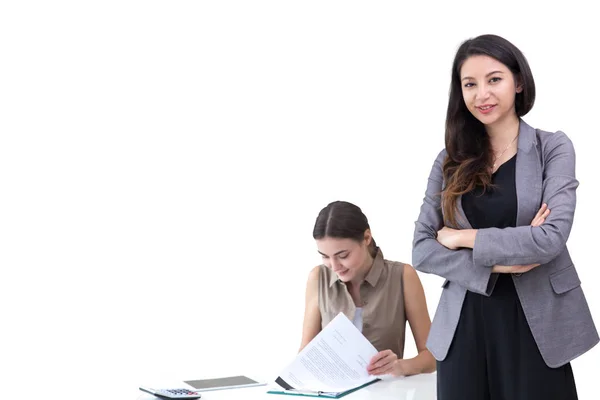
[449, 238]
[382, 363]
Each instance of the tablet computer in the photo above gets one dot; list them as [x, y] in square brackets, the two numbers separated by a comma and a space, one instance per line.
[229, 382]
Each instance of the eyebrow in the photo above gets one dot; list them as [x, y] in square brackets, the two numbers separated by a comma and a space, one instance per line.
[339, 252]
[491, 73]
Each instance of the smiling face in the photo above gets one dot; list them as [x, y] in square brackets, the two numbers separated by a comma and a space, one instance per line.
[489, 89]
[348, 258]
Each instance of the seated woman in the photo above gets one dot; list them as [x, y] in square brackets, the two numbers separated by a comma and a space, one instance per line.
[378, 295]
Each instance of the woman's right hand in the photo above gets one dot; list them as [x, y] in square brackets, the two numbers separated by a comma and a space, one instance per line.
[541, 216]
[538, 220]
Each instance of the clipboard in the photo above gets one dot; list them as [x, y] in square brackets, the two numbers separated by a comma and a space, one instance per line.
[315, 393]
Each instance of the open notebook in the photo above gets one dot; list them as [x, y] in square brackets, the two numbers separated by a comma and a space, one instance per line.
[332, 365]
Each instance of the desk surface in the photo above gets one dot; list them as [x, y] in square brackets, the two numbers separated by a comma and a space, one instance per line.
[417, 387]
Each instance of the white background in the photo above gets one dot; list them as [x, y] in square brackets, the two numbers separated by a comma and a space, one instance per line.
[162, 164]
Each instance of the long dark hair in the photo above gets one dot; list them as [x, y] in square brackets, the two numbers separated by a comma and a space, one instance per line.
[469, 153]
[343, 220]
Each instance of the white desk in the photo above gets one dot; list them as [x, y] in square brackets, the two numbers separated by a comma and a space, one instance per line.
[417, 387]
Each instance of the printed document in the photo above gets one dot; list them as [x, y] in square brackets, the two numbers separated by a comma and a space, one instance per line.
[335, 361]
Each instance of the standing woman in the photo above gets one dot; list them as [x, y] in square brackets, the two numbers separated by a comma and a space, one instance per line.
[494, 223]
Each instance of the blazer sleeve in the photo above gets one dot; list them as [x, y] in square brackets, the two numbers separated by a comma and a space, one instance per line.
[525, 245]
[429, 256]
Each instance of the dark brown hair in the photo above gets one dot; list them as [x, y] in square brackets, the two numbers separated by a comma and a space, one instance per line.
[469, 154]
[343, 220]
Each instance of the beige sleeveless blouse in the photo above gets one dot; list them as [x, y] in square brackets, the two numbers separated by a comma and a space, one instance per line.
[382, 295]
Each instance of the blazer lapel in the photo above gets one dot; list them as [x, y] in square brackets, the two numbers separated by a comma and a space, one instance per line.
[528, 175]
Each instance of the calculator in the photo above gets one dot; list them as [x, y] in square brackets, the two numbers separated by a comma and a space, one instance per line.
[180, 393]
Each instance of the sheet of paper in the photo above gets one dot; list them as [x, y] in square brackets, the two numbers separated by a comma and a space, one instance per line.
[334, 361]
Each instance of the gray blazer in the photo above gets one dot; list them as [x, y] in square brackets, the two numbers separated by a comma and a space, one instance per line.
[551, 294]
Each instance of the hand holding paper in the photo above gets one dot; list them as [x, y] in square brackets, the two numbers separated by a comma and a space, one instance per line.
[334, 363]
[382, 363]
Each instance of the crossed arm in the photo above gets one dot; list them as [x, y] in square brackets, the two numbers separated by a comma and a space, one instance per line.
[455, 239]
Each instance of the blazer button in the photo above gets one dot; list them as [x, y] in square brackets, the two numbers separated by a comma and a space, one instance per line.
[365, 325]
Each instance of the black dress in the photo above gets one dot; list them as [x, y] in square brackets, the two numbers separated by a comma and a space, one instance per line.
[493, 355]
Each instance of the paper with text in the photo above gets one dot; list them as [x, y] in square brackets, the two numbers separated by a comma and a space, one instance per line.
[335, 360]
